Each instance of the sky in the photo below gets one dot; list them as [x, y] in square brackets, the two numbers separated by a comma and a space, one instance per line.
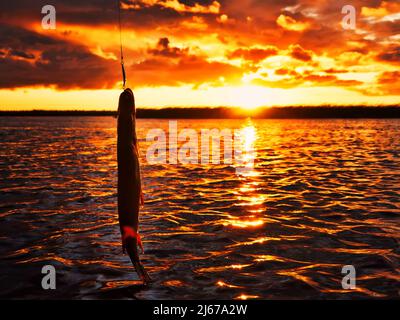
[245, 53]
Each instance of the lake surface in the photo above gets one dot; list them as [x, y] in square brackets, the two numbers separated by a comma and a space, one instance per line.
[321, 194]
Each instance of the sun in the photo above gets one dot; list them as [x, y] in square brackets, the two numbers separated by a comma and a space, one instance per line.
[250, 97]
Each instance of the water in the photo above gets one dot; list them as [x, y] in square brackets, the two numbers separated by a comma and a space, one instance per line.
[322, 194]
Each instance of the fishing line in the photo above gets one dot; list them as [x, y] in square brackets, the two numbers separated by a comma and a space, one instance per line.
[120, 41]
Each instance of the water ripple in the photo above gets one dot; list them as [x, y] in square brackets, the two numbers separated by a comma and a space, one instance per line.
[322, 194]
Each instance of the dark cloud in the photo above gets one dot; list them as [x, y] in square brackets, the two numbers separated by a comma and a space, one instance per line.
[22, 54]
[299, 53]
[59, 64]
[20, 38]
[320, 78]
[333, 70]
[389, 77]
[286, 71]
[388, 83]
[192, 3]
[392, 55]
[164, 49]
[254, 54]
[89, 13]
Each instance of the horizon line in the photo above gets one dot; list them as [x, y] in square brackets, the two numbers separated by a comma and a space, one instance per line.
[107, 109]
[295, 112]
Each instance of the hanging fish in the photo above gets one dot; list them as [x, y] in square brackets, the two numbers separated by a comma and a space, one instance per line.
[130, 195]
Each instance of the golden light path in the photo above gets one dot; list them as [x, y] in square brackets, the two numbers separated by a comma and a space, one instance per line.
[248, 199]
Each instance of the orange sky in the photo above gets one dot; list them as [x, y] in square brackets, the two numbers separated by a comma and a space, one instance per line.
[245, 53]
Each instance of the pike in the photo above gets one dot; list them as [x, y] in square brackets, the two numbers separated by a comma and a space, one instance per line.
[130, 195]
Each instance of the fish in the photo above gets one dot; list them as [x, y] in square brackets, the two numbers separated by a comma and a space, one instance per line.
[130, 193]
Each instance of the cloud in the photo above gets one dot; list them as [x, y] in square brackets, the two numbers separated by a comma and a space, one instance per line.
[177, 5]
[286, 71]
[291, 24]
[290, 78]
[21, 54]
[32, 59]
[163, 49]
[389, 82]
[297, 52]
[185, 68]
[199, 42]
[381, 9]
[255, 54]
[392, 55]
[389, 77]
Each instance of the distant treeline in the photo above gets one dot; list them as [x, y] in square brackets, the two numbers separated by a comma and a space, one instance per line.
[303, 112]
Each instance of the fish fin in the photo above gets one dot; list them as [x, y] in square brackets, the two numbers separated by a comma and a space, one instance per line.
[129, 232]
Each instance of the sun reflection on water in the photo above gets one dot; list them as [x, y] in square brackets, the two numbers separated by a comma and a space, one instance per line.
[247, 194]
[246, 297]
[227, 285]
[246, 154]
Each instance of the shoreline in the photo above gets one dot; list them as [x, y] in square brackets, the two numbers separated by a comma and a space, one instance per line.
[323, 112]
